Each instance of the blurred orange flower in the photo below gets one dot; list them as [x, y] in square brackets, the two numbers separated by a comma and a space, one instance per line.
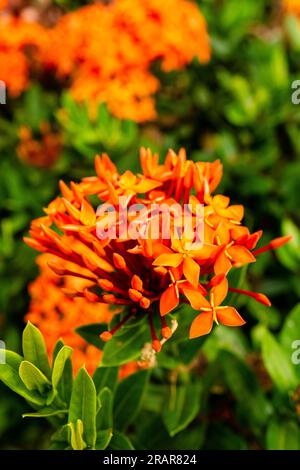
[19, 42]
[106, 51]
[148, 272]
[292, 6]
[42, 152]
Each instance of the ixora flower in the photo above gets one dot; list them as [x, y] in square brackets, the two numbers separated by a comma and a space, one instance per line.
[291, 7]
[41, 152]
[58, 314]
[107, 50]
[151, 275]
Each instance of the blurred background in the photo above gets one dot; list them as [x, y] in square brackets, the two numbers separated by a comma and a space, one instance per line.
[213, 76]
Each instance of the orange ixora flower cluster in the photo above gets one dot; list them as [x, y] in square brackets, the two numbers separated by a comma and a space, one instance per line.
[19, 42]
[57, 315]
[149, 270]
[106, 51]
[292, 7]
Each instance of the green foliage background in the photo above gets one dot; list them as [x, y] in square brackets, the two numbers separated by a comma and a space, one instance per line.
[236, 388]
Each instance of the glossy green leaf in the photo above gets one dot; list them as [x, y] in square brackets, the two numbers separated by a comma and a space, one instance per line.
[278, 364]
[58, 345]
[182, 405]
[83, 405]
[105, 413]
[126, 345]
[59, 364]
[106, 377]
[91, 333]
[290, 329]
[32, 377]
[241, 381]
[34, 349]
[283, 434]
[10, 377]
[103, 439]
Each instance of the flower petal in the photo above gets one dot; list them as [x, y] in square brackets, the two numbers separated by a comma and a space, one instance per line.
[146, 185]
[241, 255]
[222, 264]
[219, 292]
[168, 300]
[202, 325]
[172, 259]
[229, 316]
[191, 270]
[87, 215]
[196, 299]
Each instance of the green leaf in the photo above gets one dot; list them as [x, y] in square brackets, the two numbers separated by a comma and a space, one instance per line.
[105, 413]
[91, 333]
[59, 344]
[128, 398]
[61, 436]
[44, 413]
[64, 388]
[13, 359]
[76, 438]
[182, 406]
[106, 377]
[32, 377]
[290, 330]
[283, 435]
[59, 364]
[103, 439]
[34, 349]
[10, 377]
[126, 345]
[278, 364]
[120, 442]
[240, 379]
[83, 405]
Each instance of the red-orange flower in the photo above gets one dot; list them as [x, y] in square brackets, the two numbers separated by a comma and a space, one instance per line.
[19, 42]
[292, 7]
[138, 264]
[42, 152]
[106, 51]
[57, 314]
[212, 310]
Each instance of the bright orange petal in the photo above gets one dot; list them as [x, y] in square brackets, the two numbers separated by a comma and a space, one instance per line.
[191, 270]
[222, 264]
[221, 201]
[202, 325]
[172, 259]
[219, 292]
[236, 212]
[196, 299]
[229, 316]
[146, 185]
[168, 300]
[87, 216]
[240, 254]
